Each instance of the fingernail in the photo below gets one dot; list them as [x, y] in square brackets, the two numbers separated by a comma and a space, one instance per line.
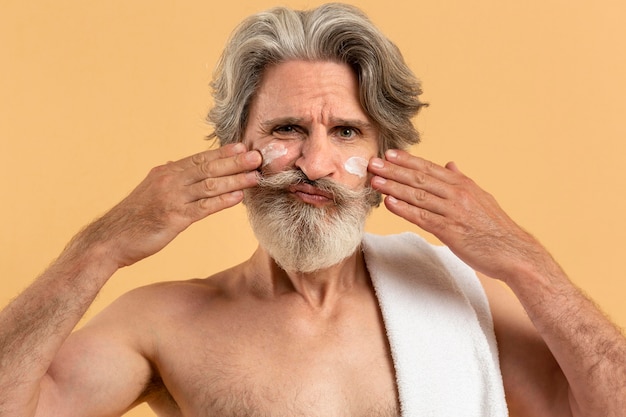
[378, 181]
[391, 154]
[377, 163]
[253, 156]
[239, 147]
[236, 195]
[391, 199]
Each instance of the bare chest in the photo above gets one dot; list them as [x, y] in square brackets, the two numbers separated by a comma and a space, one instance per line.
[284, 367]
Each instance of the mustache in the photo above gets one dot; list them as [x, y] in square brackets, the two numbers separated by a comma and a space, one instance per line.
[282, 180]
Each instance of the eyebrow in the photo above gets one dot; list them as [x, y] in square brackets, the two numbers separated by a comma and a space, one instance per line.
[280, 121]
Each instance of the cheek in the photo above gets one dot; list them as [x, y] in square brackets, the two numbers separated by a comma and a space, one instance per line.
[356, 166]
[280, 153]
[272, 152]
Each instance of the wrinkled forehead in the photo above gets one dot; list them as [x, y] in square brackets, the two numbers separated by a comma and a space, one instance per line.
[301, 91]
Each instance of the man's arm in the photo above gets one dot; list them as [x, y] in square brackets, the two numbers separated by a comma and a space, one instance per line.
[590, 351]
[34, 327]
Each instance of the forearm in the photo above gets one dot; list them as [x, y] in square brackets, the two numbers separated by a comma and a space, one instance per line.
[590, 350]
[34, 326]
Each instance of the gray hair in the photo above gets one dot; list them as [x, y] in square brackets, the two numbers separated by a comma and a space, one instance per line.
[389, 91]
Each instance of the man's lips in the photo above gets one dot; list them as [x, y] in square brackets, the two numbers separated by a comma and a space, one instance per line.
[311, 194]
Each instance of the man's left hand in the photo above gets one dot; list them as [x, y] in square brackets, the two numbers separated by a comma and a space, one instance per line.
[445, 202]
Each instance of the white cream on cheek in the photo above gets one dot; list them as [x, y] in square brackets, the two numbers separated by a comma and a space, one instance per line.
[272, 151]
[356, 166]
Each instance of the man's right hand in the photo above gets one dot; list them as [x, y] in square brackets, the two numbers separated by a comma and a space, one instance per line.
[35, 326]
[169, 199]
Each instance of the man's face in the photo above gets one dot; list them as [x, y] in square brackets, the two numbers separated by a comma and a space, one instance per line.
[307, 115]
[316, 141]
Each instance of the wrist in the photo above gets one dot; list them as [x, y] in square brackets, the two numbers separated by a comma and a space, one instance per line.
[90, 256]
[537, 277]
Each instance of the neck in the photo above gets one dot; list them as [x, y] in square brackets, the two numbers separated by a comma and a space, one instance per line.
[320, 289]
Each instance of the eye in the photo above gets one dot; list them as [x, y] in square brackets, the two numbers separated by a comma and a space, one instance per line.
[286, 130]
[346, 132]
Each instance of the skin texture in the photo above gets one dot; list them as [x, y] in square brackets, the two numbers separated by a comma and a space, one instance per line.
[317, 118]
[257, 340]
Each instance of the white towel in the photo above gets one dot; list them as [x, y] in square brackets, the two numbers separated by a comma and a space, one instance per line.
[439, 328]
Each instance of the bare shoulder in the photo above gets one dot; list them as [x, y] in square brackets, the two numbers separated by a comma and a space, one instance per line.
[108, 365]
[142, 316]
[170, 298]
[105, 367]
[533, 380]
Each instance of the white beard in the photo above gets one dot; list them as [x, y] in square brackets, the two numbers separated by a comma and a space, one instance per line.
[304, 238]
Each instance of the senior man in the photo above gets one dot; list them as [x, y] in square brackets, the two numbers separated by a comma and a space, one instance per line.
[313, 109]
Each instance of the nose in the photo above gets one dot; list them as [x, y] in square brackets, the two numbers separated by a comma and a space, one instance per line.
[317, 158]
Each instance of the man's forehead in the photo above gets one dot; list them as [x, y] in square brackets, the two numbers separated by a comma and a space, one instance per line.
[296, 92]
[309, 79]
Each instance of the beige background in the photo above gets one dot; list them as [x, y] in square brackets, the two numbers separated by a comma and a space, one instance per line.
[526, 97]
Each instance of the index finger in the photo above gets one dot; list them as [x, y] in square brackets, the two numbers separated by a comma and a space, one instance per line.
[424, 166]
[225, 151]
[404, 174]
[223, 167]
